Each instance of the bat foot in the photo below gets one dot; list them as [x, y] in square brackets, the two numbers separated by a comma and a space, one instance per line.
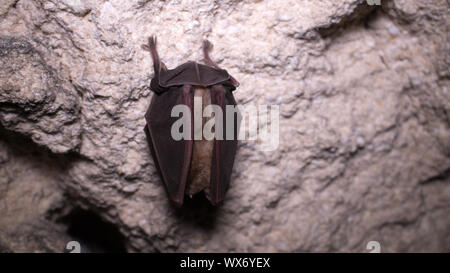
[151, 45]
[152, 41]
[207, 46]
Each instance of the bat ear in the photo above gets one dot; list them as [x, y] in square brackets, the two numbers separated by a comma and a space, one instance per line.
[163, 66]
[145, 47]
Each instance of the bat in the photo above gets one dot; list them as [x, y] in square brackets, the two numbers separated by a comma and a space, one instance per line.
[191, 165]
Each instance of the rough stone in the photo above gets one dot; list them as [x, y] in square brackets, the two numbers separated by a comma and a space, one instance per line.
[364, 150]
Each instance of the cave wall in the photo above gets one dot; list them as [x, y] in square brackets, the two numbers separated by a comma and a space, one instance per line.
[364, 141]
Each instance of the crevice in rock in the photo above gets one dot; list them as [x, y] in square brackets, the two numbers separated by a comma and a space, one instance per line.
[339, 23]
[23, 145]
[62, 219]
[92, 232]
[443, 176]
[359, 13]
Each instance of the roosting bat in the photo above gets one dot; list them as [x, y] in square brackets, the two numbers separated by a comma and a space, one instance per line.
[188, 166]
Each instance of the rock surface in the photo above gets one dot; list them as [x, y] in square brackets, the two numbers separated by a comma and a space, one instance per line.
[364, 150]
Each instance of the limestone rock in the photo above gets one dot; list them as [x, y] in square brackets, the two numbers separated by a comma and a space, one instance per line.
[364, 143]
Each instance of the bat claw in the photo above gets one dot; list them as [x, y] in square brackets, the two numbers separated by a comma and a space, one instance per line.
[151, 45]
[207, 46]
[152, 41]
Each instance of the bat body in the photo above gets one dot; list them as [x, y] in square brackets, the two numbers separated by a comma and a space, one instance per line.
[200, 170]
[190, 165]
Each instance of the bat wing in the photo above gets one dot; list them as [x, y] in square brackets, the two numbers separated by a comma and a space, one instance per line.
[171, 157]
[224, 150]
